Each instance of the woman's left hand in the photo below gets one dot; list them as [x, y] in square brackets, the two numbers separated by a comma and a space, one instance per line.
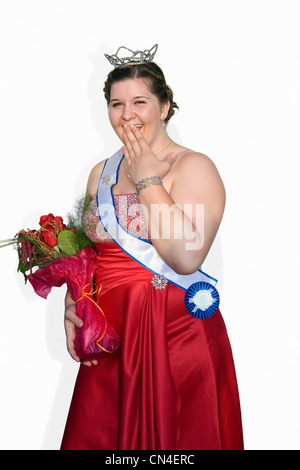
[141, 160]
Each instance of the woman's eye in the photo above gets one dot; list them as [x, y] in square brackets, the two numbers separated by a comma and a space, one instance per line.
[139, 102]
[115, 105]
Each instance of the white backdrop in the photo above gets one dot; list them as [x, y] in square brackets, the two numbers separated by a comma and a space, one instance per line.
[235, 71]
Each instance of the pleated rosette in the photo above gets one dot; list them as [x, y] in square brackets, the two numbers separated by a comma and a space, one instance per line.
[202, 300]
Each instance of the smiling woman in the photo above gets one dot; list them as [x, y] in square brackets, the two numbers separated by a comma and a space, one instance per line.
[132, 103]
[172, 385]
[155, 78]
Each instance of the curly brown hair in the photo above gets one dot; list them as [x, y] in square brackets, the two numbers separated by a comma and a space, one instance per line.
[149, 71]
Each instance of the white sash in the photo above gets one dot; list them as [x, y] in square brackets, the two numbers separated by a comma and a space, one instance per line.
[138, 249]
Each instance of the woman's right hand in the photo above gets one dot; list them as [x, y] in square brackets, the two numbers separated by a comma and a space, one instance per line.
[71, 321]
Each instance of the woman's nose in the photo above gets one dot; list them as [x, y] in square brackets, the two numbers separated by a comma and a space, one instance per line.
[128, 113]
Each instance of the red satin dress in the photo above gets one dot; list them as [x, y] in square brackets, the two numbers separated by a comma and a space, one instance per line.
[172, 386]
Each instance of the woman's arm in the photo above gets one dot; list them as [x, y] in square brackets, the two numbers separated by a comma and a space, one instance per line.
[182, 224]
[71, 319]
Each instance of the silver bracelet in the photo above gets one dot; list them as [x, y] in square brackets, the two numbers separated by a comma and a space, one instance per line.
[143, 183]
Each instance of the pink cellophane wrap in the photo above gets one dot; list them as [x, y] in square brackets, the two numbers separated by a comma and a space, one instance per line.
[97, 336]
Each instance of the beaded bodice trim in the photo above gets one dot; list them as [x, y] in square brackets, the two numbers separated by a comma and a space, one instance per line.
[128, 211]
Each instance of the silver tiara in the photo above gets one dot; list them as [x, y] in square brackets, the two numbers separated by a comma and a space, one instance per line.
[137, 57]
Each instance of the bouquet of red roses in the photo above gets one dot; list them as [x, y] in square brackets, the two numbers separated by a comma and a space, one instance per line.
[63, 254]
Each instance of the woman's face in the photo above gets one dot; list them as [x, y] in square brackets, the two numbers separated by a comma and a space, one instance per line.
[132, 103]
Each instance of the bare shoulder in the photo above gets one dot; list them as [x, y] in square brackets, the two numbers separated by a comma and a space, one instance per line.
[189, 158]
[195, 178]
[94, 177]
[195, 165]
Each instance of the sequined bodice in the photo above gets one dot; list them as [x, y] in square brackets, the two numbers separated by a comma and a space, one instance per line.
[128, 211]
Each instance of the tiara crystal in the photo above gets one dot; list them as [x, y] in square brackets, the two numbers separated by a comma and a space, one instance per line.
[137, 57]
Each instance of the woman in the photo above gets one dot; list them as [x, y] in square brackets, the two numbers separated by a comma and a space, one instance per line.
[172, 385]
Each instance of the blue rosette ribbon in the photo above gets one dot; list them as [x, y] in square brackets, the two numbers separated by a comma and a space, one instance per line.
[202, 300]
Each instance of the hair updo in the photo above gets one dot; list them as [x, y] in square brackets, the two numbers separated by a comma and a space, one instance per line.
[149, 71]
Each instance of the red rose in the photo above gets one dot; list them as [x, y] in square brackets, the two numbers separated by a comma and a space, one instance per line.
[51, 226]
[58, 224]
[49, 238]
[46, 220]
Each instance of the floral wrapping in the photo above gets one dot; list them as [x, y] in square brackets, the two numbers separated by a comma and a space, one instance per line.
[97, 337]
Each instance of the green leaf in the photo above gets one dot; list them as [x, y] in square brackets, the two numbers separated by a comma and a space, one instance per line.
[67, 242]
[24, 268]
[83, 240]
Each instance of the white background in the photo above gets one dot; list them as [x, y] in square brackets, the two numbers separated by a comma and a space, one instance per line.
[235, 71]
